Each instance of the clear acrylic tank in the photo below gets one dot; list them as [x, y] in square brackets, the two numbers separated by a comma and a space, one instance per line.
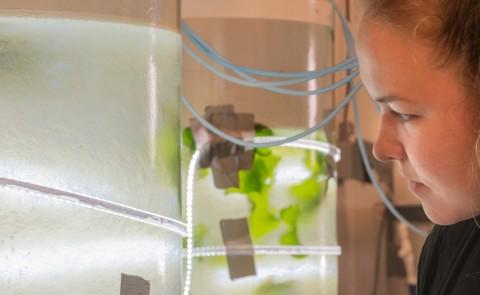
[89, 174]
[288, 194]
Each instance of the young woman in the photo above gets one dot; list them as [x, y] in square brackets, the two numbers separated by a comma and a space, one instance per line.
[420, 61]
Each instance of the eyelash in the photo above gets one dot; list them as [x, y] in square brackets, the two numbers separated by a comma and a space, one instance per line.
[402, 117]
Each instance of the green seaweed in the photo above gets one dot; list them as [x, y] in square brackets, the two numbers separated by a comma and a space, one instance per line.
[290, 216]
[188, 140]
[262, 219]
[200, 231]
[310, 192]
[203, 172]
[262, 130]
[256, 184]
[272, 288]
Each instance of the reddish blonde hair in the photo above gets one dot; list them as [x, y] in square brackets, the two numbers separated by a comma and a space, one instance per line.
[452, 25]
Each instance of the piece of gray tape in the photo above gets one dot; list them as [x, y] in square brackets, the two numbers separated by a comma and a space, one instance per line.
[240, 125]
[225, 158]
[226, 168]
[133, 285]
[222, 109]
[236, 235]
[212, 151]
[246, 160]
[225, 172]
[246, 124]
[224, 121]
[201, 135]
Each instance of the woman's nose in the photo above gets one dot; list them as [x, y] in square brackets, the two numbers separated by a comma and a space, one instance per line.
[387, 146]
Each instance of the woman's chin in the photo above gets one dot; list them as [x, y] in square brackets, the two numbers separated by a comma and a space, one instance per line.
[440, 217]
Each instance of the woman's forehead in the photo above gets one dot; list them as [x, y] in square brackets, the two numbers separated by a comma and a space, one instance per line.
[392, 63]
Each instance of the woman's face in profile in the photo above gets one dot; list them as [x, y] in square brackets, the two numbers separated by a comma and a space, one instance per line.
[426, 120]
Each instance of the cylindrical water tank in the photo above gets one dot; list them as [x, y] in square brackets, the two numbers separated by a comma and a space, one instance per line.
[89, 173]
[287, 194]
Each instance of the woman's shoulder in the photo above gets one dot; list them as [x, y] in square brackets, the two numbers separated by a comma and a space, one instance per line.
[450, 259]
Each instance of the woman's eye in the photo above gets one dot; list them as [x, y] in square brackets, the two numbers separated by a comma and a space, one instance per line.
[402, 116]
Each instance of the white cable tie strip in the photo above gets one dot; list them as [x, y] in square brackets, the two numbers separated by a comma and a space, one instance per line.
[270, 250]
[98, 204]
[322, 147]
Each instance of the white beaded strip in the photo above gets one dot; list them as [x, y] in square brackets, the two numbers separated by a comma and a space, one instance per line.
[269, 250]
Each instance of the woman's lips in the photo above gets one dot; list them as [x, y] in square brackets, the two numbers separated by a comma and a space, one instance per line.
[415, 187]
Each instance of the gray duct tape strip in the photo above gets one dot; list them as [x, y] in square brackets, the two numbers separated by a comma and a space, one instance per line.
[236, 233]
[133, 285]
[225, 158]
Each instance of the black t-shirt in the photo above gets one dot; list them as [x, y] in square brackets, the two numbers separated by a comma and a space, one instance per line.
[450, 260]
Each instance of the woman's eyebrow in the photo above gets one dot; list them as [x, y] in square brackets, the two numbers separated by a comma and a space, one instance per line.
[390, 98]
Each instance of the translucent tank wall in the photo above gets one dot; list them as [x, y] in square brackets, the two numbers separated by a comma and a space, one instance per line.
[287, 194]
[89, 156]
